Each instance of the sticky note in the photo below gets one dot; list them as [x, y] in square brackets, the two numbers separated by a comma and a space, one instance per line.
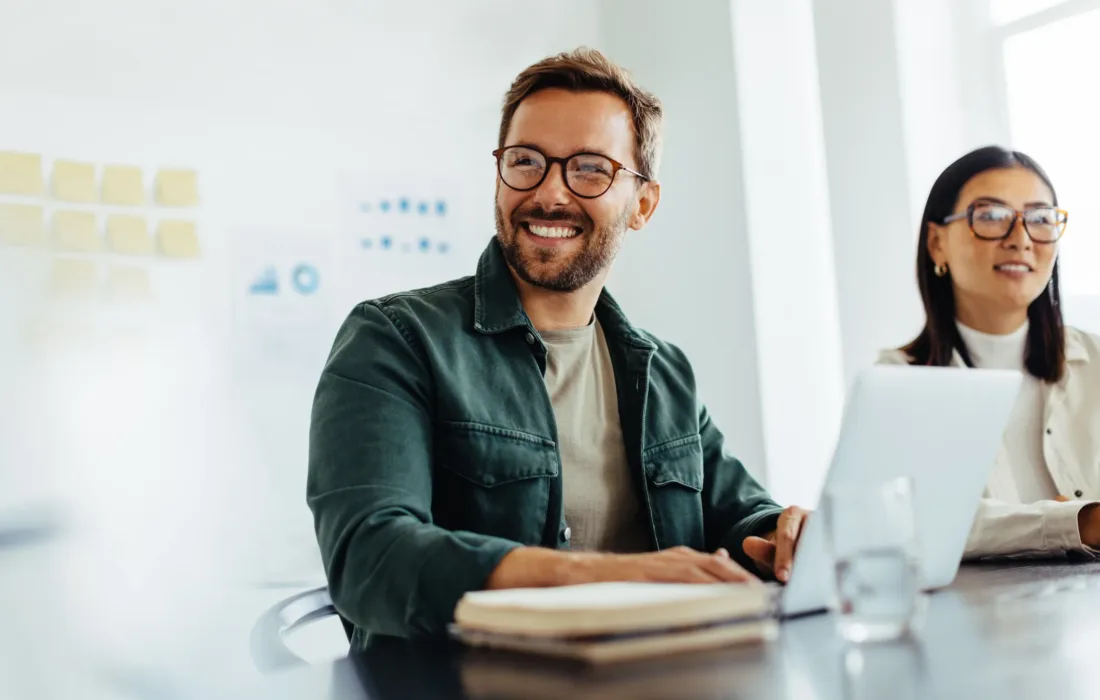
[22, 224]
[127, 283]
[74, 182]
[21, 173]
[76, 230]
[74, 279]
[128, 235]
[123, 185]
[177, 239]
[177, 188]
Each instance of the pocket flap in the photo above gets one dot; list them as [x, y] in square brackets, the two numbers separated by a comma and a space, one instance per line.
[490, 456]
[677, 462]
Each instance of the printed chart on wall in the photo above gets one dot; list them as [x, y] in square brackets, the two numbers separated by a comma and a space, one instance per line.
[401, 232]
[284, 318]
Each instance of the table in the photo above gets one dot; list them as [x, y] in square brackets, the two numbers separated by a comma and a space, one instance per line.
[1029, 630]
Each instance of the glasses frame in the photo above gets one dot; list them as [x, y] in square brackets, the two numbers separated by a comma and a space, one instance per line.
[550, 160]
[969, 216]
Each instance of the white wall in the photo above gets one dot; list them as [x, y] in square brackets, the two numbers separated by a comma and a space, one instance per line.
[790, 241]
[180, 455]
[870, 198]
[687, 277]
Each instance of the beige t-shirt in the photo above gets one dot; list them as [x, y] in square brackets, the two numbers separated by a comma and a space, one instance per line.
[602, 510]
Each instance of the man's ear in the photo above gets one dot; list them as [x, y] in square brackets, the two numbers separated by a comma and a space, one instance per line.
[648, 198]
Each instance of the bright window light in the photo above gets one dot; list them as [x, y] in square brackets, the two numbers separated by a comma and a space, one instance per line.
[1053, 106]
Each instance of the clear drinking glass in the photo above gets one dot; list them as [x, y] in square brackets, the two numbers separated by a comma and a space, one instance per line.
[871, 532]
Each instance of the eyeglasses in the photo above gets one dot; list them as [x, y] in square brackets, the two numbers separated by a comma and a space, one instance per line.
[587, 175]
[990, 221]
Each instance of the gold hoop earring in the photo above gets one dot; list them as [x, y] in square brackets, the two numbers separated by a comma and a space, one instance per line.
[940, 270]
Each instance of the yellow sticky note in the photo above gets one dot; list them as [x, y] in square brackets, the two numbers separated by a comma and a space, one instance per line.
[21, 173]
[129, 235]
[76, 230]
[126, 283]
[22, 224]
[74, 279]
[177, 188]
[74, 182]
[177, 239]
[123, 185]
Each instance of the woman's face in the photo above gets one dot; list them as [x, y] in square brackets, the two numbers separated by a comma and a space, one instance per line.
[995, 276]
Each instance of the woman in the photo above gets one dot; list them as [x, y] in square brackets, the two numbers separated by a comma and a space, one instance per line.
[987, 264]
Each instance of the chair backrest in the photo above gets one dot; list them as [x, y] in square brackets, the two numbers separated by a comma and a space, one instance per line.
[270, 652]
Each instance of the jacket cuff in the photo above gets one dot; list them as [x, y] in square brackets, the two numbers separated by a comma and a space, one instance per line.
[1061, 530]
[756, 525]
[448, 573]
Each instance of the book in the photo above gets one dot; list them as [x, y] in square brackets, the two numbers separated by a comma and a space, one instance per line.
[606, 622]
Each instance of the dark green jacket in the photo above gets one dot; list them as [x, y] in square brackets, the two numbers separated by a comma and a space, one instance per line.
[433, 450]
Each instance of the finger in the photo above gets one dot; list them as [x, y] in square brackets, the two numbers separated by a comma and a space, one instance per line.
[760, 551]
[725, 570]
[786, 536]
[1061, 499]
[723, 552]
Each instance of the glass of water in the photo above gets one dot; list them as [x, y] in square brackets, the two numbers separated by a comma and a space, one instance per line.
[871, 531]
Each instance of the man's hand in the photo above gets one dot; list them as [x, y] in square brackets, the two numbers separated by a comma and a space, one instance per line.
[1088, 522]
[775, 551]
[536, 567]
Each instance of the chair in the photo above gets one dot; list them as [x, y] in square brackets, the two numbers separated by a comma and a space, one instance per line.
[268, 640]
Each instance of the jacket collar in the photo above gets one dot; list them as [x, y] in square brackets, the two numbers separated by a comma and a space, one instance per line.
[497, 306]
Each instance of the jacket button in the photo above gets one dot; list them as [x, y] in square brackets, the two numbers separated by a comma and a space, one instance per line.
[1078, 493]
[530, 339]
[1049, 431]
[567, 533]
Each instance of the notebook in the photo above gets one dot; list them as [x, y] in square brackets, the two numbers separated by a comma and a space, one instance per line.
[605, 622]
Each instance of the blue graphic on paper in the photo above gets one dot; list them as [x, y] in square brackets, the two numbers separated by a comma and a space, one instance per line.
[422, 208]
[386, 242]
[403, 205]
[384, 205]
[305, 279]
[425, 244]
[441, 208]
[267, 283]
[443, 248]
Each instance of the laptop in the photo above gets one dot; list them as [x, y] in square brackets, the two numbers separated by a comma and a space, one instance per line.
[940, 426]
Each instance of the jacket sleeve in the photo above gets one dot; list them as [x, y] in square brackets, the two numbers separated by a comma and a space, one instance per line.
[1041, 529]
[390, 570]
[735, 505]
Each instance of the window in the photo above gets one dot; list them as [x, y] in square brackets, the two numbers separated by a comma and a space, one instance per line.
[1053, 107]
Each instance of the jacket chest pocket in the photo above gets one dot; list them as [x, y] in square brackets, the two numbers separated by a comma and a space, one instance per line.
[492, 481]
[674, 478]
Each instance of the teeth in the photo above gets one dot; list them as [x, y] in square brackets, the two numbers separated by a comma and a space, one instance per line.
[1012, 267]
[553, 231]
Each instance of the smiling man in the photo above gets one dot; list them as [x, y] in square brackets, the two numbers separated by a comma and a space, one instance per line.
[513, 429]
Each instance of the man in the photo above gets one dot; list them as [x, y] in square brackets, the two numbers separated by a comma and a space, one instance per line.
[512, 429]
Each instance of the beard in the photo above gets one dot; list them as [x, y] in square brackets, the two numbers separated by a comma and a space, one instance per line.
[601, 245]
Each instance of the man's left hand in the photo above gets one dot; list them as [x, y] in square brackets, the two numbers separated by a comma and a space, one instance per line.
[774, 553]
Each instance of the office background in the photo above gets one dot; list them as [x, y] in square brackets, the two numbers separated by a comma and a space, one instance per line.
[156, 389]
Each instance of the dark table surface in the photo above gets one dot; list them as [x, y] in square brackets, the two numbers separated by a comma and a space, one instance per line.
[1028, 630]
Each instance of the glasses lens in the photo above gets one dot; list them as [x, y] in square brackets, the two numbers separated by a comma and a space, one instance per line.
[1045, 223]
[589, 175]
[521, 168]
[992, 220]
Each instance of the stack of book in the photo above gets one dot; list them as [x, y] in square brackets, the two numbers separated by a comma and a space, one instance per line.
[608, 622]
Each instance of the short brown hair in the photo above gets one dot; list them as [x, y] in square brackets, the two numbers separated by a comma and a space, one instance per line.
[588, 70]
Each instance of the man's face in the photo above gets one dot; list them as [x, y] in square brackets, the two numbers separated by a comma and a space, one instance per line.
[552, 238]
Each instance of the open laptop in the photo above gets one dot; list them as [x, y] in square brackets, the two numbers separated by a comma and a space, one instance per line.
[940, 426]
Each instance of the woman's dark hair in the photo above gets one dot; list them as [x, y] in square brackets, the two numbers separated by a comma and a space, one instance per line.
[1045, 357]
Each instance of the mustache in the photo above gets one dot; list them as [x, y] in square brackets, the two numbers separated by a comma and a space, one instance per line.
[578, 220]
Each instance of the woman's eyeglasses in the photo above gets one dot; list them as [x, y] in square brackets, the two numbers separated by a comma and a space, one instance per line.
[587, 175]
[990, 221]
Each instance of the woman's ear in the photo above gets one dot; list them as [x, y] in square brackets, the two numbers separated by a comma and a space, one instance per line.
[936, 246]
